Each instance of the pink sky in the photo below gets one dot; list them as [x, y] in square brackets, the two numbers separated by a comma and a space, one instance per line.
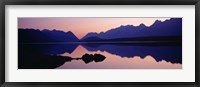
[81, 26]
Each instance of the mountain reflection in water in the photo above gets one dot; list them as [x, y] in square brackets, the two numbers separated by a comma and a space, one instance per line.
[117, 56]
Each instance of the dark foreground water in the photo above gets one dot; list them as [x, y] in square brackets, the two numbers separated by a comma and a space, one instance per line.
[115, 56]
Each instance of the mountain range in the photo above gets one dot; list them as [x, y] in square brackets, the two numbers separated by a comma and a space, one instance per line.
[35, 35]
[166, 30]
[171, 27]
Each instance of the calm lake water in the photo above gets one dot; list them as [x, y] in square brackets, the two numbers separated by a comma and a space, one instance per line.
[117, 56]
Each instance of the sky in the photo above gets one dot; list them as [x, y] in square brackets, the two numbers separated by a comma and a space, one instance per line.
[81, 26]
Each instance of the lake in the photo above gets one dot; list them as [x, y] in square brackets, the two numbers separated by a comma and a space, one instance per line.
[117, 56]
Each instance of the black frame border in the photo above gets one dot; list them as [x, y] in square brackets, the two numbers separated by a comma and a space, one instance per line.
[98, 2]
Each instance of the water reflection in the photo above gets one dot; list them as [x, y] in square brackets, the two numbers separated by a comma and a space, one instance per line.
[171, 54]
[82, 56]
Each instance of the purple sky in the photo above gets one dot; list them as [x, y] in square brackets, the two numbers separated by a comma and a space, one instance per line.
[81, 26]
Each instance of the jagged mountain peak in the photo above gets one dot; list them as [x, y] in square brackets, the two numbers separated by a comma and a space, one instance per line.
[171, 27]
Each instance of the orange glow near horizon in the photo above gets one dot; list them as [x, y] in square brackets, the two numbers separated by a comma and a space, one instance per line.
[81, 26]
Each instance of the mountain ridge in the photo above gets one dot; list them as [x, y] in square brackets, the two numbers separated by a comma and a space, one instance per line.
[171, 27]
[168, 28]
[30, 35]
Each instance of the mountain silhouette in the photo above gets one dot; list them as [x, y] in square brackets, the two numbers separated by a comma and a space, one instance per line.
[31, 56]
[169, 53]
[53, 49]
[35, 35]
[171, 27]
